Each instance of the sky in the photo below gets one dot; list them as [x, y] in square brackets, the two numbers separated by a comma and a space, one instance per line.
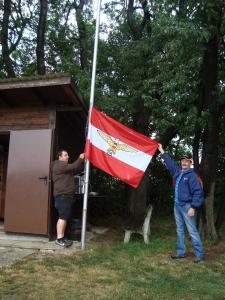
[102, 16]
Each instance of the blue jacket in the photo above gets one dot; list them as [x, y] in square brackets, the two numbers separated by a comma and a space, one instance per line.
[189, 188]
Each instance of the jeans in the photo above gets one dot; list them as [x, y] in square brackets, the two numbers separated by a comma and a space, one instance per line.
[182, 221]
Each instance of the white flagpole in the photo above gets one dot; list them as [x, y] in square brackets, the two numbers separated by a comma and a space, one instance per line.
[87, 163]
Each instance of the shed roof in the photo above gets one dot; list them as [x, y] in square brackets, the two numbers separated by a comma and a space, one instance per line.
[50, 90]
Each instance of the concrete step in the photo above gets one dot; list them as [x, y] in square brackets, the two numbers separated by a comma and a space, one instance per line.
[22, 237]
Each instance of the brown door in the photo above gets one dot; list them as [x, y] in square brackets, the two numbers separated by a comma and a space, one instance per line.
[28, 184]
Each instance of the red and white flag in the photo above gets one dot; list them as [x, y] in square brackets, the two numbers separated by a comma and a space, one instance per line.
[117, 149]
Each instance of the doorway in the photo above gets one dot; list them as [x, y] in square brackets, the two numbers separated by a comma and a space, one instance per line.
[70, 136]
[4, 152]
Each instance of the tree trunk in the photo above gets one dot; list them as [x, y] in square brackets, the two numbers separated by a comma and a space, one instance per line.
[221, 214]
[138, 197]
[211, 232]
[40, 51]
[137, 204]
[208, 100]
[208, 169]
[82, 36]
[4, 40]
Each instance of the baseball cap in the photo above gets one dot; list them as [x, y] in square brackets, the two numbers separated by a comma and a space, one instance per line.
[188, 157]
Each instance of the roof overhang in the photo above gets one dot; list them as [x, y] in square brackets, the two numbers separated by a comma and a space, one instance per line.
[51, 91]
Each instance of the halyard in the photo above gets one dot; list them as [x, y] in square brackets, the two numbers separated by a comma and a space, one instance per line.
[110, 270]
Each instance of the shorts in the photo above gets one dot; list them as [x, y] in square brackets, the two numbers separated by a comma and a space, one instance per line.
[64, 203]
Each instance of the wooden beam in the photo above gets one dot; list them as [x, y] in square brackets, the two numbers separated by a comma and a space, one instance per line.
[18, 83]
[71, 95]
[52, 117]
[33, 84]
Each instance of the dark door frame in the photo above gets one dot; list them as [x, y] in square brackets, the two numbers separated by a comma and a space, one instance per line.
[4, 166]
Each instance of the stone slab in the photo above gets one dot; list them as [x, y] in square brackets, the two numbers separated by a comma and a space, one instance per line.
[10, 255]
[15, 249]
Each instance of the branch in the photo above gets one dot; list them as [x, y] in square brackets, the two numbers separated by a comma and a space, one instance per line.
[136, 30]
[80, 5]
[19, 32]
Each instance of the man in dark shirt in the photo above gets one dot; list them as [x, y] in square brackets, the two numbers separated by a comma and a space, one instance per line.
[64, 190]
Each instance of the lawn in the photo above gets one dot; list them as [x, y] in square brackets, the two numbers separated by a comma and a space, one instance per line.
[111, 270]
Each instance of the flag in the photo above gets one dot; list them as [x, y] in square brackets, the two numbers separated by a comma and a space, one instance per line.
[117, 149]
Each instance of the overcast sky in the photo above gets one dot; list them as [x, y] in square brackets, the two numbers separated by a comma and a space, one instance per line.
[95, 8]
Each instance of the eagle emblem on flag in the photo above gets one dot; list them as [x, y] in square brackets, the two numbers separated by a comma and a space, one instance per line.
[114, 144]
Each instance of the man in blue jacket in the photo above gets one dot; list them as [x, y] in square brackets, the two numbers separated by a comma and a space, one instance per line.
[188, 197]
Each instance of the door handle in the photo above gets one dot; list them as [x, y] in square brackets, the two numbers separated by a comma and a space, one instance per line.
[45, 178]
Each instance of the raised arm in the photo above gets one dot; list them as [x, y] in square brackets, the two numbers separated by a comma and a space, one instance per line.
[76, 166]
[171, 165]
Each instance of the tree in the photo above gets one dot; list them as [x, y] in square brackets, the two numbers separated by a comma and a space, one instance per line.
[208, 101]
[159, 69]
[82, 34]
[40, 52]
[15, 19]
[144, 81]
[6, 50]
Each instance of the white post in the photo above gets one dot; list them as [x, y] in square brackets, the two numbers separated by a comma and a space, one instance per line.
[87, 163]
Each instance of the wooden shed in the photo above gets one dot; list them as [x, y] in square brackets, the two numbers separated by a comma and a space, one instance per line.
[38, 116]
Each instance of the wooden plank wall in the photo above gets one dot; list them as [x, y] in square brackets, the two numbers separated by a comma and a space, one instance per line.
[24, 118]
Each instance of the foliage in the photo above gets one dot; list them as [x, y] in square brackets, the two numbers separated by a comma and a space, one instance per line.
[158, 74]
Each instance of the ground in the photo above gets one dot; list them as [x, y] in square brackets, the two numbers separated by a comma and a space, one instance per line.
[108, 269]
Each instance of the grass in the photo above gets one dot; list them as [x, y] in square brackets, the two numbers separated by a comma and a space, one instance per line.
[116, 271]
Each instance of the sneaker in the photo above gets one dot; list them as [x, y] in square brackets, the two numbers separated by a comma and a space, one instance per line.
[198, 260]
[176, 256]
[63, 243]
[68, 242]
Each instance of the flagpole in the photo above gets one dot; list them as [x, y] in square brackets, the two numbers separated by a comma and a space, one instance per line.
[87, 163]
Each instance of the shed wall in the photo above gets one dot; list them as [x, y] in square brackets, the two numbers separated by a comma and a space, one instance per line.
[24, 118]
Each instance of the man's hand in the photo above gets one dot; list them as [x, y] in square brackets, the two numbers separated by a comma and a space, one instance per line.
[160, 148]
[191, 212]
[81, 156]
